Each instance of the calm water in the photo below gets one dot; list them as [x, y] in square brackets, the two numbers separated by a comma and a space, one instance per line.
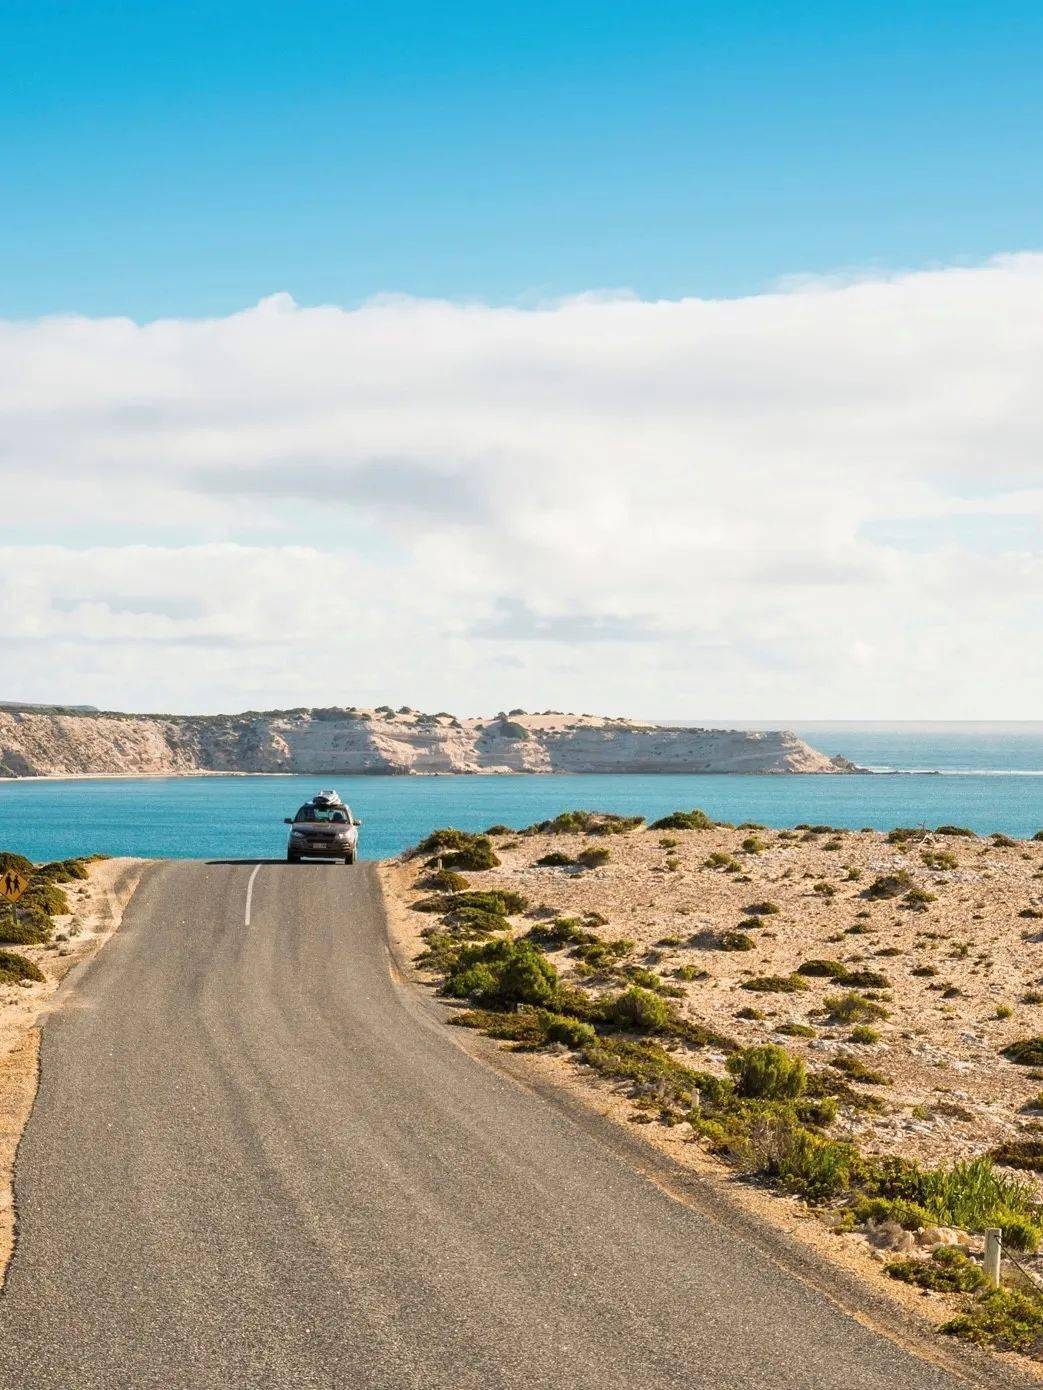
[994, 783]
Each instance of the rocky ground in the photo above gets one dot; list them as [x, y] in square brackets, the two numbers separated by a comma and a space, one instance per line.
[908, 966]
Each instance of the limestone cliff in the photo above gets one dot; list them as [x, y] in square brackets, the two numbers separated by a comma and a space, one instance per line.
[37, 742]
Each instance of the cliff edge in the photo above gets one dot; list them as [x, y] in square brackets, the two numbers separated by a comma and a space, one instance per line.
[59, 742]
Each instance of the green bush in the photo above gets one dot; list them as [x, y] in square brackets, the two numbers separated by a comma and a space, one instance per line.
[863, 1034]
[796, 1030]
[573, 1032]
[586, 823]
[594, 855]
[719, 860]
[890, 885]
[956, 831]
[446, 881]
[764, 909]
[499, 974]
[458, 849]
[1027, 1053]
[503, 901]
[1006, 1319]
[767, 1072]
[652, 1071]
[684, 820]
[920, 897]
[556, 859]
[753, 844]
[909, 1215]
[735, 941]
[852, 1008]
[947, 1271]
[939, 859]
[780, 1147]
[9, 861]
[14, 967]
[856, 1070]
[827, 969]
[641, 1010]
[1020, 1153]
[776, 984]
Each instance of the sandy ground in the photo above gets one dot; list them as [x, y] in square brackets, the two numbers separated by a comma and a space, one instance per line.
[97, 910]
[950, 1094]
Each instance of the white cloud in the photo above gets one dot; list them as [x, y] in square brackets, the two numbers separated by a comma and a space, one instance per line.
[672, 507]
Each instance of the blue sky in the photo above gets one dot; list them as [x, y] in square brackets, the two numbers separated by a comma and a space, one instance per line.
[186, 159]
[645, 358]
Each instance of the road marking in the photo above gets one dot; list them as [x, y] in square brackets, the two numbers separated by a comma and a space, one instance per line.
[250, 894]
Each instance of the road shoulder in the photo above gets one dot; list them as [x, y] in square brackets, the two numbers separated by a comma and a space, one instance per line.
[98, 905]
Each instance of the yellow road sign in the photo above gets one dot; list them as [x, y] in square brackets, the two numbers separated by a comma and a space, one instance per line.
[12, 884]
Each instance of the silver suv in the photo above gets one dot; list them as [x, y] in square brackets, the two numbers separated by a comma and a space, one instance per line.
[323, 828]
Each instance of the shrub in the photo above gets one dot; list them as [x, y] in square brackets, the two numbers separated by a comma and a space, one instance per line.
[14, 967]
[824, 890]
[573, 1032]
[827, 969]
[1027, 1053]
[690, 972]
[720, 860]
[889, 885]
[594, 855]
[557, 859]
[586, 823]
[502, 901]
[764, 909]
[1006, 1319]
[852, 1008]
[909, 1215]
[939, 859]
[753, 844]
[956, 831]
[651, 1069]
[767, 1072]
[778, 1146]
[1003, 841]
[499, 830]
[9, 861]
[602, 955]
[458, 849]
[796, 1030]
[641, 1010]
[920, 897]
[947, 1271]
[446, 881]
[684, 820]
[902, 834]
[1020, 1153]
[735, 941]
[776, 984]
[501, 974]
[856, 1070]
[863, 1034]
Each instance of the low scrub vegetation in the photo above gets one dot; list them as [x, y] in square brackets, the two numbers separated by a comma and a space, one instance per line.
[586, 823]
[684, 820]
[15, 968]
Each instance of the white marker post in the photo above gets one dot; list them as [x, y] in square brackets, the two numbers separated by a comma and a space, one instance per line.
[993, 1255]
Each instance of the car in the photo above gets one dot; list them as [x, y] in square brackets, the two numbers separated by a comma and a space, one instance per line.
[323, 828]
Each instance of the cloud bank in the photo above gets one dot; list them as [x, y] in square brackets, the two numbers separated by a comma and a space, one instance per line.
[819, 502]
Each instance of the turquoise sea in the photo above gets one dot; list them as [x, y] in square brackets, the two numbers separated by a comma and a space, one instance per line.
[990, 777]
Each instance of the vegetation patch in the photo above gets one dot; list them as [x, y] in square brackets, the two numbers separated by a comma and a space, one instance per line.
[586, 823]
[14, 968]
[949, 1270]
[684, 820]
[776, 984]
[1006, 1319]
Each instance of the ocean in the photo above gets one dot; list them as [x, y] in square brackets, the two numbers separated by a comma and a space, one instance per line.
[990, 777]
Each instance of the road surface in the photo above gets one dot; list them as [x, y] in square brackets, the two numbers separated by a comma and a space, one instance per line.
[255, 1161]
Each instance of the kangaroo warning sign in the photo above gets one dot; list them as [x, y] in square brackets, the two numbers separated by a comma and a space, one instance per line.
[12, 884]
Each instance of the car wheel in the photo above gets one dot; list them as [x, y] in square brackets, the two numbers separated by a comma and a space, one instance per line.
[293, 858]
[349, 858]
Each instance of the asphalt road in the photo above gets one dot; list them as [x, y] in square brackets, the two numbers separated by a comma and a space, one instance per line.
[255, 1161]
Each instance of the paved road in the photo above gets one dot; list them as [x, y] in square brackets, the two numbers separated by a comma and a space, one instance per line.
[254, 1161]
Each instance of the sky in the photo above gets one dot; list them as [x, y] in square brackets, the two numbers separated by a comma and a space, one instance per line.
[652, 359]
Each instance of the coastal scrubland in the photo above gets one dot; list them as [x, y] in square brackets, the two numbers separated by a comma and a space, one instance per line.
[851, 1021]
